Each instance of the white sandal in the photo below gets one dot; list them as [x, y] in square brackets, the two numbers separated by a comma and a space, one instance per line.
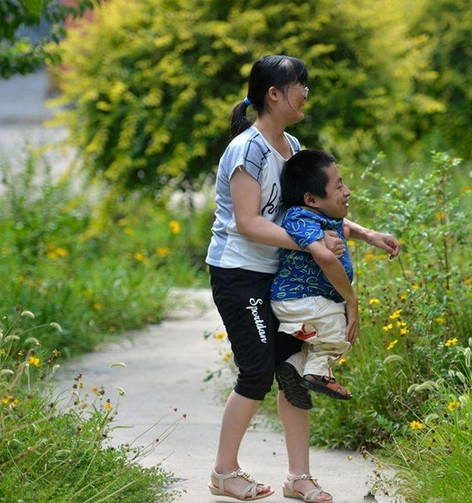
[249, 493]
[310, 496]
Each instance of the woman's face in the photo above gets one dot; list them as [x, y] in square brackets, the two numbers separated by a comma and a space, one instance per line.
[295, 98]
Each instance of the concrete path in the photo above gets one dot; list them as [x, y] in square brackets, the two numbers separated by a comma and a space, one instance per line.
[164, 381]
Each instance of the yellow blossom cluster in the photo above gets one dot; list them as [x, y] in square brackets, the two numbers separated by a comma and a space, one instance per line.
[54, 252]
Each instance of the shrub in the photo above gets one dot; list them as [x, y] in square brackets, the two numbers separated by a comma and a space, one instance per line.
[51, 452]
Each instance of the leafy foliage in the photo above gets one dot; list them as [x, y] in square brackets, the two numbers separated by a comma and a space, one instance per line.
[150, 85]
[21, 54]
[51, 451]
[99, 285]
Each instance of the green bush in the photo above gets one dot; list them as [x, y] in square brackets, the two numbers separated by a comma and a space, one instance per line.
[56, 452]
[147, 92]
[55, 263]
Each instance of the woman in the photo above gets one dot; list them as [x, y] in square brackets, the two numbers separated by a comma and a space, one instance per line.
[243, 258]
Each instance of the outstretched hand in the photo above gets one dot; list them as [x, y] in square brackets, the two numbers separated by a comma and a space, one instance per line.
[385, 241]
[382, 240]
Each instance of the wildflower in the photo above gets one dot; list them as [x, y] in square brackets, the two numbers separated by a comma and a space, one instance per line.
[403, 296]
[95, 389]
[416, 425]
[415, 286]
[468, 281]
[56, 353]
[128, 231]
[451, 406]
[351, 243]
[174, 227]
[368, 256]
[97, 306]
[108, 405]
[226, 356]
[392, 345]
[388, 327]
[139, 257]
[451, 342]
[220, 335]
[61, 252]
[374, 301]
[440, 319]
[395, 314]
[33, 360]
[163, 251]
[7, 399]
[342, 360]
[403, 331]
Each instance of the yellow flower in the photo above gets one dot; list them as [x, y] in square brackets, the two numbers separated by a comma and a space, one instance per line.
[374, 301]
[33, 360]
[415, 286]
[368, 256]
[403, 331]
[128, 231]
[451, 342]
[174, 227]
[403, 296]
[7, 399]
[351, 243]
[108, 405]
[220, 335]
[97, 306]
[163, 251]
[440, 319]
[416, 425]
[139, 257]
[227, 356]
[95, 389]
[468, 281]
[61, 252]
[388, 327]
[342, 360]
[395, 314]
[451, 406]
[392, 345]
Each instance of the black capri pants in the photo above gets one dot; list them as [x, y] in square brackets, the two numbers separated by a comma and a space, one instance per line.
[242, 298]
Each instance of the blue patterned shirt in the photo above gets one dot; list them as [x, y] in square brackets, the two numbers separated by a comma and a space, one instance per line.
[299, 275]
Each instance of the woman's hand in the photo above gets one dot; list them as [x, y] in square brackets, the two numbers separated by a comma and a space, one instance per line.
[334, 243]
[382, 240]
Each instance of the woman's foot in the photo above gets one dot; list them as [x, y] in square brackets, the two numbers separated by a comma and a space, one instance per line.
[306, 488]
[239, 485]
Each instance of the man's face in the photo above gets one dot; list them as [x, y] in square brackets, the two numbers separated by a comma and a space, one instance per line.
[335, 204]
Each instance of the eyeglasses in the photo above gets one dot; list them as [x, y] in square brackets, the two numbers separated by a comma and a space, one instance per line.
[304, 90]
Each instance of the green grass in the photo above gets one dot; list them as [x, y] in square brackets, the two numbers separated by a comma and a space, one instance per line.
[57, 450]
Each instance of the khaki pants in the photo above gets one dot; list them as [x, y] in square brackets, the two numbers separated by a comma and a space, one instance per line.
[321, 324]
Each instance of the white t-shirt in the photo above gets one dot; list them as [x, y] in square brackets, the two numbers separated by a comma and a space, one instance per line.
[251, 152]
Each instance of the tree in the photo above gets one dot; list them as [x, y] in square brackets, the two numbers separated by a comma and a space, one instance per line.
[151, 83]
[447, 27]
[21, 54]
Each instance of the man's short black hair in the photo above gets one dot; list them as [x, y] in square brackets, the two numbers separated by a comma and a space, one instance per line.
[305, 172]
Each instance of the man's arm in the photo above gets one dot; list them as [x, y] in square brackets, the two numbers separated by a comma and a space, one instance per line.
[334, 271]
